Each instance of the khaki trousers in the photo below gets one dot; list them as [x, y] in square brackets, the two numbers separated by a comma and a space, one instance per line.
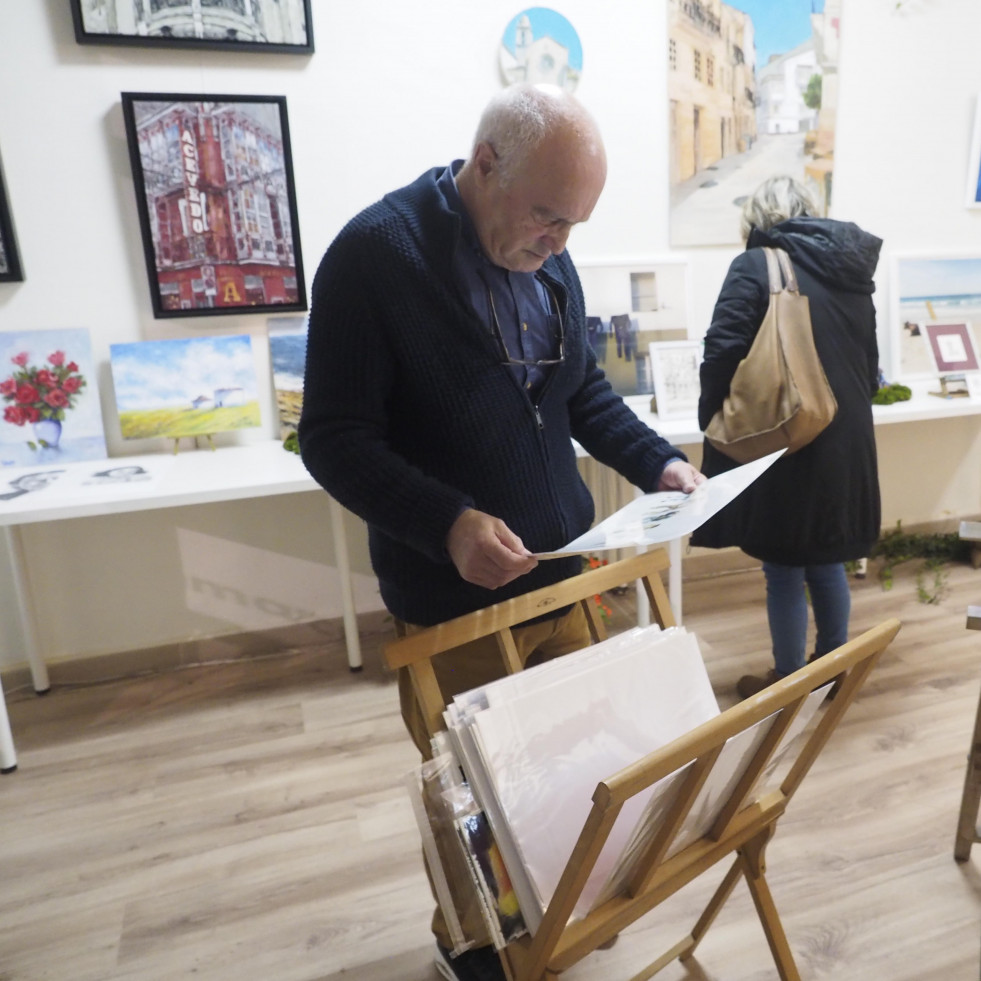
[470, 666]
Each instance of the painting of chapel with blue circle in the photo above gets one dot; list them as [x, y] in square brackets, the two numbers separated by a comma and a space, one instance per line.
[540, 46]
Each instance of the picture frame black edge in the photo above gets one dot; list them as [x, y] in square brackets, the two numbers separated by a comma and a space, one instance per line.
[15, 270]
[128, 100]
[136, 41]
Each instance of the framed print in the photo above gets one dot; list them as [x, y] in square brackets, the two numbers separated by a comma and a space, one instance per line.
[631, 303]
[10, 268]
[178, 387]
[973, 199]
[674, 367]
[931, 289]
[752, 91]
[278, 27]
[951, 347]
[213, 176]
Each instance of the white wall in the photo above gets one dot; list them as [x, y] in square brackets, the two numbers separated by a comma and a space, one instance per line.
[394, 87]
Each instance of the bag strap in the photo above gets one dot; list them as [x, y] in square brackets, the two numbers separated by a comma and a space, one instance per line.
[777, 262]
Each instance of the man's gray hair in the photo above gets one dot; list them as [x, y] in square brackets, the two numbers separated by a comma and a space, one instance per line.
[521, 116]
[775, 200]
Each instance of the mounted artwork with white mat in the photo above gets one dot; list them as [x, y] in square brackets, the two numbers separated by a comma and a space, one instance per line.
[674, 366]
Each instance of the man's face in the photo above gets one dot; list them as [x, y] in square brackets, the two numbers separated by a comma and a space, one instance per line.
[528, 219]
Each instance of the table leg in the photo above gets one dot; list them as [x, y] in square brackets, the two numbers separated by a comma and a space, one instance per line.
[8, 758]
[351, 637]
[25, 606]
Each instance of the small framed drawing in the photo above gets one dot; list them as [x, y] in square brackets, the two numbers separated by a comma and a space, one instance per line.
[951, 347]
[674, 366]
[282, 27]
[973, 197]
[10, 268]
[213, 176]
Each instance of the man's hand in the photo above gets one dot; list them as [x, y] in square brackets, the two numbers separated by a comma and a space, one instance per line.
[680, 475]
[485, 551]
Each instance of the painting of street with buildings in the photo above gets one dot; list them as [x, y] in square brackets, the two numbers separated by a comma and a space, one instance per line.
[275, 26]
[214, 190]
[752, 89]
[185, 386]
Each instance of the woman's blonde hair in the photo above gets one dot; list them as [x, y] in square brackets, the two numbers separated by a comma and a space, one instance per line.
[775, 200]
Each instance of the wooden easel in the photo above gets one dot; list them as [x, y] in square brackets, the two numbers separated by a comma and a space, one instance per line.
[741, 827]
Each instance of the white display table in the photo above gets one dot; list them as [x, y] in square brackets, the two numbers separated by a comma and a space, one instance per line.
[190, 477]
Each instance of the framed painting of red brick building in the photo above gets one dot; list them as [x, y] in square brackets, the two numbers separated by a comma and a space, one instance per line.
[213, 177]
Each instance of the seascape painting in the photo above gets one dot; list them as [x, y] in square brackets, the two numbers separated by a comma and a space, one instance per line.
[926, 290]
[49, 399]
[185, 387]
[288, 355]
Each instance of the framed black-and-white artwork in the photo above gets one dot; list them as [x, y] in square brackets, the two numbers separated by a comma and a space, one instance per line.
[10, 267]
[274, 26]
[674, 368]
[213, 176]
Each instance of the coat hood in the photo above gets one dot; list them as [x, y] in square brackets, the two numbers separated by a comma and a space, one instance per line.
[838, 253]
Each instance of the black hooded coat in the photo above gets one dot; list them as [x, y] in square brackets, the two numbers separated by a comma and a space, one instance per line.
[821, 504]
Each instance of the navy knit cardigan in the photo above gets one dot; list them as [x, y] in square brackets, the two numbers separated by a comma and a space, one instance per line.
[409, 415]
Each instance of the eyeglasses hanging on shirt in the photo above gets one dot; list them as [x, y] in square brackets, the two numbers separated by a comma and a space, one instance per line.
[532, 369]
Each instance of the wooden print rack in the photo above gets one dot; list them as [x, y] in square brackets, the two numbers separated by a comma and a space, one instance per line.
[740, 827]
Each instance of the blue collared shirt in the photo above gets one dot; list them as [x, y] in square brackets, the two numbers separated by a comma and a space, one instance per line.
[523, 306]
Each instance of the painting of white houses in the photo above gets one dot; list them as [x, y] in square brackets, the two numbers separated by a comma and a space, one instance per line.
[752, 92]
[185, 386]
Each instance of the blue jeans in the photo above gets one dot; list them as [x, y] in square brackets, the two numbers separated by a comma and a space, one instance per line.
[786, 609]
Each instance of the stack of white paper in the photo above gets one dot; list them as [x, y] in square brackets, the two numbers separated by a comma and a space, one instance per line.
[535, 744]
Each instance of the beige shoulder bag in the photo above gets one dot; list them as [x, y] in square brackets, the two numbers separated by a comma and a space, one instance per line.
[779, 397]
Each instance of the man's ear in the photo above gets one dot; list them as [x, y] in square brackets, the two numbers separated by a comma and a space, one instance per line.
[485, 161]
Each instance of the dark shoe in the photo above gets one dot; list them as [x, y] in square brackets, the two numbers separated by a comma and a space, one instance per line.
[751, 684]
[837, 681]
[476, 964]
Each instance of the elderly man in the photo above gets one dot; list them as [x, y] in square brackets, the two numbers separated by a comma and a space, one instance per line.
[448, 373]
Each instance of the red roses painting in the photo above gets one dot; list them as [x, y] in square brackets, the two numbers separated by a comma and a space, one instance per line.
[34, 394]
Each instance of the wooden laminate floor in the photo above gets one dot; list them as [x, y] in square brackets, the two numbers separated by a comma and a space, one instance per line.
[246, 821]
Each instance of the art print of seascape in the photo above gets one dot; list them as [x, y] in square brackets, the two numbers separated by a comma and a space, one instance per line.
[50, 412]
[185, 386]
[288, 355]
[934, 290]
